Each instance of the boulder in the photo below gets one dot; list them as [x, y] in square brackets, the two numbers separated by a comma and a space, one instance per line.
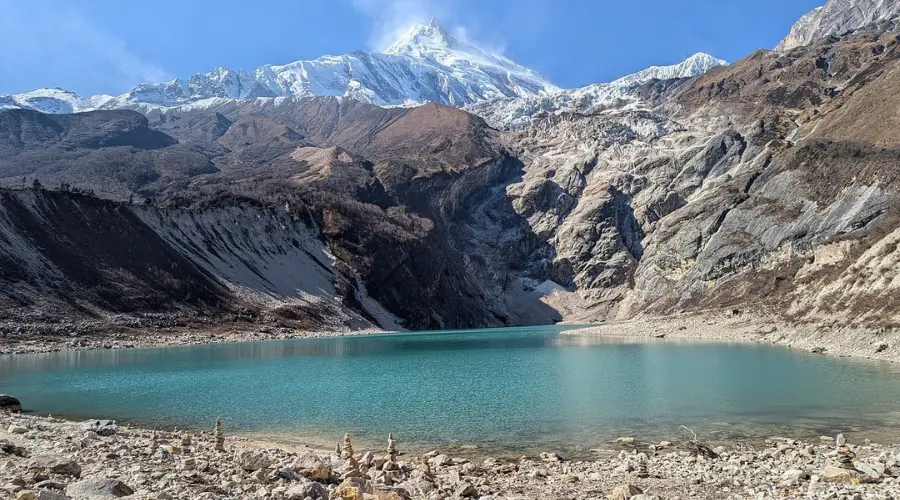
[16, 429]
[395, 494]
[11, 449]
[9, 403]
[360, 484]
[98, 488]
[56, 464]
[624, 492]
[873, 471]
[311, 466]
[50, 484]
[794, 476]
[251, 460]
[466, 490]
[441, 460]
[625, 440]
[307, 489]
[832, 474]
[50, 495]
[367, 459]
[101, 427]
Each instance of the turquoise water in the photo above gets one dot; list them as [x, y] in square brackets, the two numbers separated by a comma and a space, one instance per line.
[505, 389]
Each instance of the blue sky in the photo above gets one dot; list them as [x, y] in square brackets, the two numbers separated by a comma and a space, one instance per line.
[92, 46]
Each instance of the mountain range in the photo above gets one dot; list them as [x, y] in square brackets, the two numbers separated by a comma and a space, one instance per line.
[426, 64]
[767, 186]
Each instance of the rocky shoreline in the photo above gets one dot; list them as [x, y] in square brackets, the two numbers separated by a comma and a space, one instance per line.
[26, 343]
[858, 342]
[51, 459]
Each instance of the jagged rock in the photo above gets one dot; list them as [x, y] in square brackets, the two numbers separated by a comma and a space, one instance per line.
[55, 464]
[101, 427]
[311, 466]
[10, 404]
[252, 461]
[98, 488]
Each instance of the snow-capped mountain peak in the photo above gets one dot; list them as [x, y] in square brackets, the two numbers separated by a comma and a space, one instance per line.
[697, 64]
[421, 40]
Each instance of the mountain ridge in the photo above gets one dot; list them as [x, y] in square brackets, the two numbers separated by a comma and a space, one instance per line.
[426, 64]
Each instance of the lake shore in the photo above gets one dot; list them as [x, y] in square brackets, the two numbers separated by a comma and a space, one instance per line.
[47, 458]
[858, 342]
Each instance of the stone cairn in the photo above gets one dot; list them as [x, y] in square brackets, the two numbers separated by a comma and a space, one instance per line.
[185, 440]
[347, 448]
[392, 448]
[347, 454]
[643, 472]
[154, 443]
[220, 437]
[427, 468]
[391, 463]
[844, 455]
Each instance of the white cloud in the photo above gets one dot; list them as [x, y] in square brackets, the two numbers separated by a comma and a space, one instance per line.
[391, 18]
[49, 43]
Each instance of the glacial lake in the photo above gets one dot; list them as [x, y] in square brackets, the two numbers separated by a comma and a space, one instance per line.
[504, 390]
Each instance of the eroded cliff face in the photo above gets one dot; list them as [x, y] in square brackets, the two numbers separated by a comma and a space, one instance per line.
[68, 256]
[766, 186]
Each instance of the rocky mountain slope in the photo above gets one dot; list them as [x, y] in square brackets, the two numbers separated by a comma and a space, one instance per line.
[838, 17]
[767, 185]
[764, 185]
